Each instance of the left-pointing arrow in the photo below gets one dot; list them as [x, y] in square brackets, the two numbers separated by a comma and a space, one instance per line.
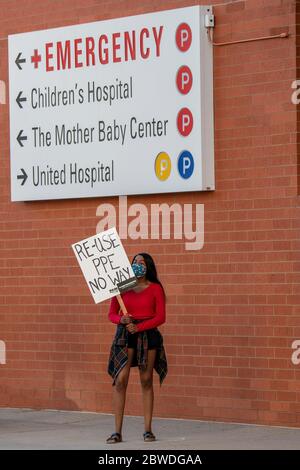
[19, 61]
[19, 99]
[23, 176]
[21, 137]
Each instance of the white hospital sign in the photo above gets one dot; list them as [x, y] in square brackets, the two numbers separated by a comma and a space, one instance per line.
[113, 107]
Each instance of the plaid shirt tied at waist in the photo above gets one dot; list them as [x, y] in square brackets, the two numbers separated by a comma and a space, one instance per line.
[119, 354]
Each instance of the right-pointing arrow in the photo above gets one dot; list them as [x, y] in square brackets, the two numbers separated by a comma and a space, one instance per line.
[21, 137]
[23, 176]
[19, 61]
[19, 99]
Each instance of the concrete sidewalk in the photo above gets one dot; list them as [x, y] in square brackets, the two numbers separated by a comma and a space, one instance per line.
[30, 429]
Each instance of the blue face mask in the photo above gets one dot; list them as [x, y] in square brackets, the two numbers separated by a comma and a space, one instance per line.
[139, 269]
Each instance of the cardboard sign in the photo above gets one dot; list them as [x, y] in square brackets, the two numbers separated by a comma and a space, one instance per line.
[104, 264]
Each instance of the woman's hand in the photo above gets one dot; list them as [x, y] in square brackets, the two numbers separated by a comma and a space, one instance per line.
[131, 328]
[125, 319]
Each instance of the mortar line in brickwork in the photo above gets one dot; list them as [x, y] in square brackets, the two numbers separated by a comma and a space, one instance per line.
[223, 4]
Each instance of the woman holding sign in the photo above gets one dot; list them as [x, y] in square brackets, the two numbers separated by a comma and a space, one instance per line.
[138, 342]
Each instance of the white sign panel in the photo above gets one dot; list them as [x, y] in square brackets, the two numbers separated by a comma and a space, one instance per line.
[104, 264]
[113, 107]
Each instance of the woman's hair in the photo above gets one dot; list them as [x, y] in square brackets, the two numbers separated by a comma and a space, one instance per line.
[151, 273]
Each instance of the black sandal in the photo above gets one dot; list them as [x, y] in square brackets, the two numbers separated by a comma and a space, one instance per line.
[115, 438]
[149, 436]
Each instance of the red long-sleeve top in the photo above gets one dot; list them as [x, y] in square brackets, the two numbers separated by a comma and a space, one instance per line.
[147, 305]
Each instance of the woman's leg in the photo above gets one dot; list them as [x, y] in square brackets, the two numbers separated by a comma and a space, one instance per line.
[146, 377]
[120, 392]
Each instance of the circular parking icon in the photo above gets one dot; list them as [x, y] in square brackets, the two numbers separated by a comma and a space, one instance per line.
[185, 164]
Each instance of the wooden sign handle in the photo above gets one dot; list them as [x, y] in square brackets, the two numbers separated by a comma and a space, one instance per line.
[122, 305]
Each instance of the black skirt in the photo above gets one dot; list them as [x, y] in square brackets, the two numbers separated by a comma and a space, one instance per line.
[153, 335]
[139, 341]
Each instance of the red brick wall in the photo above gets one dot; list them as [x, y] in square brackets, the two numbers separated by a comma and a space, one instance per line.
[231, 322]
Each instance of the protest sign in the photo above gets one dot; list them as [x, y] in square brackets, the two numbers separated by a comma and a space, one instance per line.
[104, 264]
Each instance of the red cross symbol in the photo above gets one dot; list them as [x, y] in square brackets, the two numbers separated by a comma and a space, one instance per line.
[36, 58]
